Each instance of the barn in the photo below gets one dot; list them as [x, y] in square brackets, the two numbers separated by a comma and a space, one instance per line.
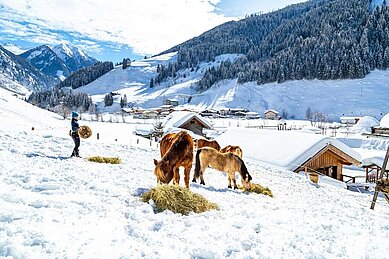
[186, 120]
[293, 150]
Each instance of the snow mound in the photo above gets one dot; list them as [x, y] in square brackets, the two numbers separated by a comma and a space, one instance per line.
[385, 121]
[365, 124]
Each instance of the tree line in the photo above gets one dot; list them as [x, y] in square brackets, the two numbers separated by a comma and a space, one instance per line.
[86, 75]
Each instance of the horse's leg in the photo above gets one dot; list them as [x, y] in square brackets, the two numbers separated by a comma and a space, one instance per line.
[229, 181]
[234, 180]
[202, 168]
[176, 176]
[186, 175]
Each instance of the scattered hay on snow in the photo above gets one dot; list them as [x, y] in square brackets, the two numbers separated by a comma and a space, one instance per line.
[257, 188]
[178, 199]
[107, 160]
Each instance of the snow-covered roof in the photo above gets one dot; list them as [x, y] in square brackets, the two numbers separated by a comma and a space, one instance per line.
[365, 124]
[178, 118]
[385, 121]
[283, 149]
[368, 121]
[274, 111]
[375, 160]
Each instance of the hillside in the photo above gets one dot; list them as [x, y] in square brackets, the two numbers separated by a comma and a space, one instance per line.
[19, 75]
[54, 206]
[311, 40]
[335, 98]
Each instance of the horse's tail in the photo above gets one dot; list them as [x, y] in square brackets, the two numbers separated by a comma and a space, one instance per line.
[243, 170]
[197, 165]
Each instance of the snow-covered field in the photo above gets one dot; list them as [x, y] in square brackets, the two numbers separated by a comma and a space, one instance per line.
[52, 206]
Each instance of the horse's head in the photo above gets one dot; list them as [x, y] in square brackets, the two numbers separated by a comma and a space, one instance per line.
[246, 181]
[163, 171]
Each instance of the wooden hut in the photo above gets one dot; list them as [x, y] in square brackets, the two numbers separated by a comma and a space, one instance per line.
[186, 120]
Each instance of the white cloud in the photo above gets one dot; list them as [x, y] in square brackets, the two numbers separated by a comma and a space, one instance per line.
[148, 26]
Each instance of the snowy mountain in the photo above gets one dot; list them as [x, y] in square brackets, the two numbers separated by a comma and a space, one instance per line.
[73, 57]
[53, 206]
[58, 61]
[46, 60]
[19, 75]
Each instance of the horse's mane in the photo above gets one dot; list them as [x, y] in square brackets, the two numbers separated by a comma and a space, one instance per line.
[243, 169]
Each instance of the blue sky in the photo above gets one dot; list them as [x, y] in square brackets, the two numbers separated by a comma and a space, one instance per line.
[114, 29]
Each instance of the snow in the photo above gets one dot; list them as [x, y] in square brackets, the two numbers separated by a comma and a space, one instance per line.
[385, 121]
[283, 149]
[335, 98]
[365, 124]
[53, 206]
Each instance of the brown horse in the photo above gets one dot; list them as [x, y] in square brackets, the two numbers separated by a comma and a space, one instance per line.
[208, 143]
[225, 162]
[232, 149]
[179, 154]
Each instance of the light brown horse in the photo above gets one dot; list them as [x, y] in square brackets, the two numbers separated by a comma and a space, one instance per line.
[225, 162]
[208, 143]
[180, 153]
[237, 150]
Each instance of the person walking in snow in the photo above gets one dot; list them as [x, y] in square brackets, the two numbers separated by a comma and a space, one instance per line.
[74, 134]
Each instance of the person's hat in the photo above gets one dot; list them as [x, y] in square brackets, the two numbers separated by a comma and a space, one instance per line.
[74, 114]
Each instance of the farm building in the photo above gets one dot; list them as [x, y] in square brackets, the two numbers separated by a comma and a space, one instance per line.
[271, 115]
[349, 120]
[186, 120]
[293, 150]
[173, 102]
[252, 115]
[383, 128]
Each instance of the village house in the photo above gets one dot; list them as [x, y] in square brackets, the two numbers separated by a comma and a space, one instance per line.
[271, 115]
[349, 120]
[173, 102]
[186, 120]
[252, 115]
[383, 129]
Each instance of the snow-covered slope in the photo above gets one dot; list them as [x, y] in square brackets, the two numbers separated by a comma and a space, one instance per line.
[16, 49]
[18, 70]
[335, 98]
[56, 207]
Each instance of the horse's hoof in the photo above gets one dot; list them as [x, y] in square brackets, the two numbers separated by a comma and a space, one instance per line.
[194, 181]
[203, 183]
[229, 187]
[235, 187]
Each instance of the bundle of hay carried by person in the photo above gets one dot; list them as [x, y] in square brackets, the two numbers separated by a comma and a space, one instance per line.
[84, 131]
[178, 200]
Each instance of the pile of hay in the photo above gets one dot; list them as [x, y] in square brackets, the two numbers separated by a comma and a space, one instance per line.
[257, 188]
[84, 131]
[177, 199]
[107, 160]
